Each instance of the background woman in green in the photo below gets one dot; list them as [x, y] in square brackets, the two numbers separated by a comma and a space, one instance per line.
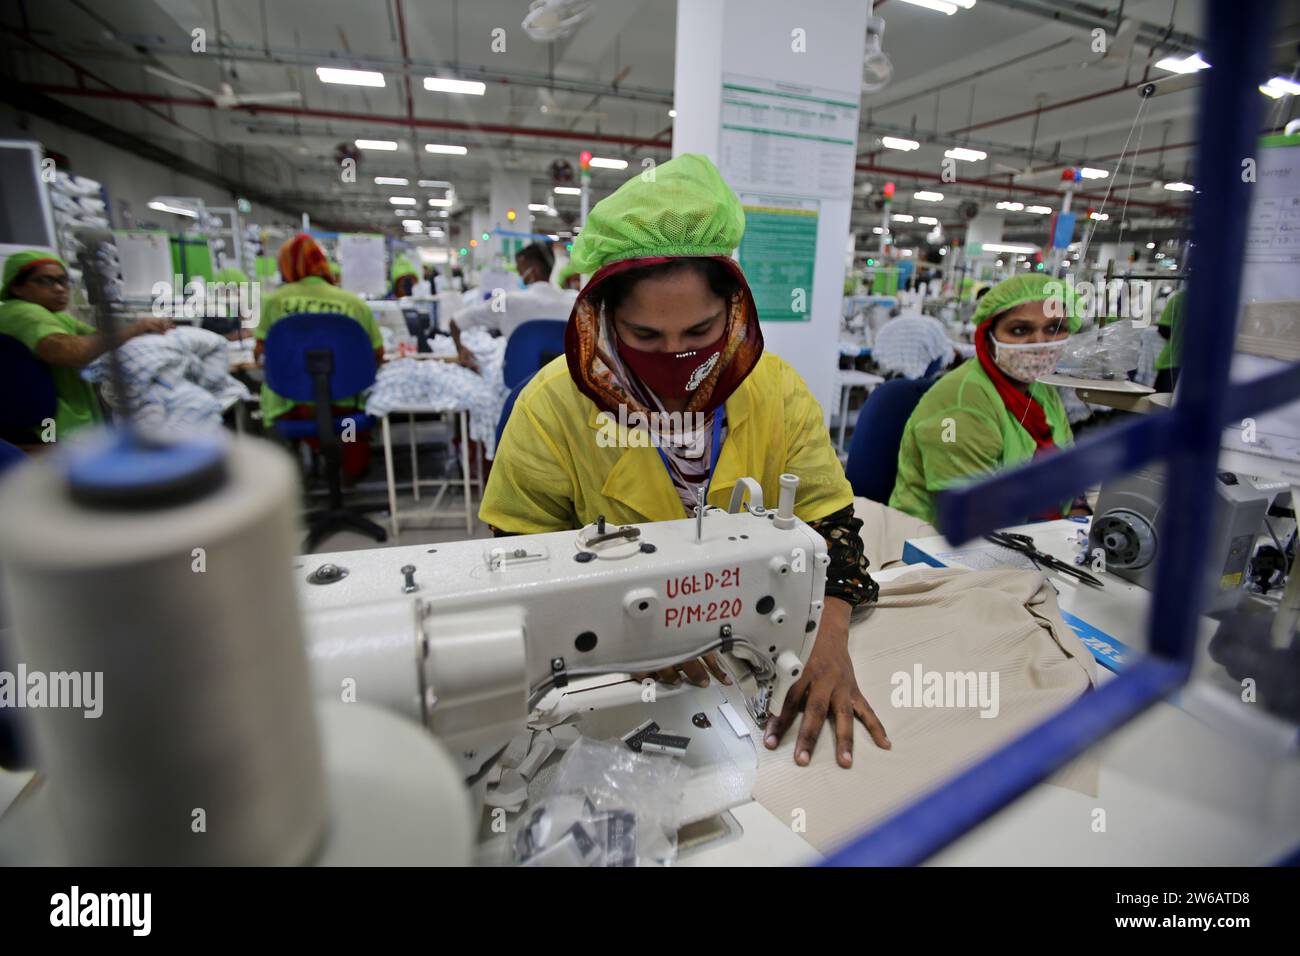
[35, 292]
[991, 412]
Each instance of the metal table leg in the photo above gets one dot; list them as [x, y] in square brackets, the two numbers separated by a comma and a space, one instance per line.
[392, 478]
[467, 482]
[415, 458]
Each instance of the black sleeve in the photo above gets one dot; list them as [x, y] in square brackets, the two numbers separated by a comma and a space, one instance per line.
[846, 576]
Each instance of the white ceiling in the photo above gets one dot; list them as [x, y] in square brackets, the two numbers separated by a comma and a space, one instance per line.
[974, 78]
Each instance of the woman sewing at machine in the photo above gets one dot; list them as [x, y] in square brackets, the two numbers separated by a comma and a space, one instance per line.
[667, 327]
[991, 412]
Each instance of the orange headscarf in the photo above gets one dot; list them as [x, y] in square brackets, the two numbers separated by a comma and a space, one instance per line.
[301, 257]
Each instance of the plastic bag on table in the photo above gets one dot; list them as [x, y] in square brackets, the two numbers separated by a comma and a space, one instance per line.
[1109, 352]
[606, 806]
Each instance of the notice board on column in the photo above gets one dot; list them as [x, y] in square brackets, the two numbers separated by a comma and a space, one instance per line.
[361, 256]
[787, 138]
[778, 254]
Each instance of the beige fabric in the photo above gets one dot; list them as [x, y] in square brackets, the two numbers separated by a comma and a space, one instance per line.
[885, 530]
[945, 620]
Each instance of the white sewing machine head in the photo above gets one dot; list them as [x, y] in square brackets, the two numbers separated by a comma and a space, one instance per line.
[468, 637]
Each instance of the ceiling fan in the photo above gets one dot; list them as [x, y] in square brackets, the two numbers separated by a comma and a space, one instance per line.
[1118, 49]
[225, 97]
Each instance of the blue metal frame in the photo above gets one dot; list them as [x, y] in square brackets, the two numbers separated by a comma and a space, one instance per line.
[1187, 438]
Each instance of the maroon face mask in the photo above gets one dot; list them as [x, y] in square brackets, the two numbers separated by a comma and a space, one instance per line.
[672, 375]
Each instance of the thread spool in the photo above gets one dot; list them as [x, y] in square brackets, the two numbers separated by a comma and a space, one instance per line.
[206, 695]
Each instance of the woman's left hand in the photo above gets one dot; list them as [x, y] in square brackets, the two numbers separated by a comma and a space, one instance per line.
[827, 688]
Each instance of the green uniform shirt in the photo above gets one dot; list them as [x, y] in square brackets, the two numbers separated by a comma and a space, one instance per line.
[312, 294]
[1171, 317]
[28, 322]
[982, 436]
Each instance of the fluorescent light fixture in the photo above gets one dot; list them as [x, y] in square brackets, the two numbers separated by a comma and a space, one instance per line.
[927, 220]
[1011, 206]
[434, 184]
[902, 217]
[444, 214]
[893, 142]
[927, 196]
[1099, 216]
[1151, 245]
[939, 6]
[567, 191]
[1039, 210]
[970, 155]
[177, 210]
[447, 150]
[878, 230]
[442, 84]
[943, 251]
[1160, 255]
[964, 4]
[906, 252]
[391, 181]
[673, 114]
[443, 203]
[1005, 247]
[387, 144]
[602, 163]
[1280, 86]
[1087, 172]
[1179, 187]
[402, 200]
[1188, 64]
[330, 74]
[538, 207]
[408, 223]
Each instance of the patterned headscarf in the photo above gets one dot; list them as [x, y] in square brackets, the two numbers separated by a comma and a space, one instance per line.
[301, 257]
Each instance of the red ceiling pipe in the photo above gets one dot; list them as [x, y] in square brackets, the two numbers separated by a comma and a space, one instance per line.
[495, 128]
[992, 184]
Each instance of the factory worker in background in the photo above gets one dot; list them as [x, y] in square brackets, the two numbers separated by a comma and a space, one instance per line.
[404, 276]
[309, 287]
[35, 291]
[667, 324]
[911, 345]
[991, 412]
[505, 311]
[1170, 326]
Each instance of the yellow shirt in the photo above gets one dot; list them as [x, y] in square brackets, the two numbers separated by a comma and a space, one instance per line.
[562, 462]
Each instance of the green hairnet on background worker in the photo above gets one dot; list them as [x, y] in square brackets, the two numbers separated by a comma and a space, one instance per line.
[991, 412]
[404, 275]
[35, 290]
[667, 324]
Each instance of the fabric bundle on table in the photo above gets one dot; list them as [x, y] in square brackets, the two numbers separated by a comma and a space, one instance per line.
[175, 382]
[444, 386]
[953, 623]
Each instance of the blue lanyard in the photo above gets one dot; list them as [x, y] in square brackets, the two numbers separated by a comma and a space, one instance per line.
[719, 417]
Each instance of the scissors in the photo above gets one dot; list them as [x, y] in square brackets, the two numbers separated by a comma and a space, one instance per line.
[1025, 545]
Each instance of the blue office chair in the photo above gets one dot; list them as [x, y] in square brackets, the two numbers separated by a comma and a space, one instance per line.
[531, 346]
[872, 467]
[27, 395]
[509, 406]
[321, 358]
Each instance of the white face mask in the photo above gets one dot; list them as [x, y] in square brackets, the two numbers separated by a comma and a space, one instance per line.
[1029, 362]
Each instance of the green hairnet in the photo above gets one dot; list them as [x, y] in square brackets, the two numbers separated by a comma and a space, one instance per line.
[402, 266]
[20, 261]
[679, 208]
[1030, 287]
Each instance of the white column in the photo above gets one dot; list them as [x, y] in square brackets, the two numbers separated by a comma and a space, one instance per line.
[755, 38]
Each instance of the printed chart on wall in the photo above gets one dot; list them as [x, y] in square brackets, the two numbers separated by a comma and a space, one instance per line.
[362, 257]
[1268, 331]
[786, 137]
[778, 254]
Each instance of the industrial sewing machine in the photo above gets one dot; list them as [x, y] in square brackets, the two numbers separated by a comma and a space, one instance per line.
[225, 657]
[468, 638]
